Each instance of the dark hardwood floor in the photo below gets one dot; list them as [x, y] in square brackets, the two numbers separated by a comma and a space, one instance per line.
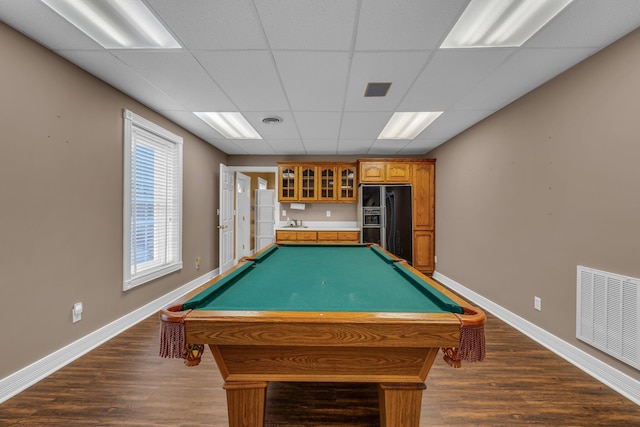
[125, 383]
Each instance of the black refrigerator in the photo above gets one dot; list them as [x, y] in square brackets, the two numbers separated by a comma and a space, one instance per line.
[385, 217]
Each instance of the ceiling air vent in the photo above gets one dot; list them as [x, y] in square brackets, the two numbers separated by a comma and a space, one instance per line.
[377, 89]
[274, 120]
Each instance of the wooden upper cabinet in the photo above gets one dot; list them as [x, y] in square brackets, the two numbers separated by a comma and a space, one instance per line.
[347, 183]
[288, 182]
[398, 172]
[372, 171]
[385, 172]
[307, 183]
[423, 180]
[328, 183]
[317, 182]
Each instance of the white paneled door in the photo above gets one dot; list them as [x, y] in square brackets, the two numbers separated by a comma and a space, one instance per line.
[243, 215]
[265, 220]
[226, 219]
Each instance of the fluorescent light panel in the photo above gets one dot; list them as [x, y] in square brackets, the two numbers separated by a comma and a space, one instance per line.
[116, 24]
[501, 23]
[231, 125]
[407, 125]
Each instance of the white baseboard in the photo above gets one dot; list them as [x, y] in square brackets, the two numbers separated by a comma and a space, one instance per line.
[29, 375]
[613, 378]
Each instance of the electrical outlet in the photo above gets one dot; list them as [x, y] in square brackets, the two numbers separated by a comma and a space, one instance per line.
[537, 303]
[328, 213]
[198, 262]
[284, 213]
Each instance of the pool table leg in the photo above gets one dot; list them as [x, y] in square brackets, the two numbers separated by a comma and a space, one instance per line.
[246, 403]
[400, 404]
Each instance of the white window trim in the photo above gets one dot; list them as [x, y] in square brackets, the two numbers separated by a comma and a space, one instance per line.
[131, 121]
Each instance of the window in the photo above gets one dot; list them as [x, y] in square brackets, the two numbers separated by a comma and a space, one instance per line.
[152, 201]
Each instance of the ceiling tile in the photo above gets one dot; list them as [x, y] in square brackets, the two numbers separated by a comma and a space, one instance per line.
[212, 24]
[405, 24]
[254, 146]
[363, 125]
[420, 146]
[181, 76]
[318, 125]
[353, 146]
[297, 24]
[314, 81]
[321, 146]
[387, 146]
[287, 146]
[398, 68]
[449, 75]
[249, 78]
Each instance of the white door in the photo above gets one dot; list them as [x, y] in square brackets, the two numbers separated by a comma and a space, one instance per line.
[243, 215]
[265, 219]
[262, 184]
[226, 220]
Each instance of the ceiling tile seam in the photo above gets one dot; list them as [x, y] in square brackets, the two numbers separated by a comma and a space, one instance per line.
[354, 36]
[277, 70]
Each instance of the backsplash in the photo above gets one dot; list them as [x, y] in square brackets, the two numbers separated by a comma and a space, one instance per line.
[317, 212]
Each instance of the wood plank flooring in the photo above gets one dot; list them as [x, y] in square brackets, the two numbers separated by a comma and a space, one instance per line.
[125, 383]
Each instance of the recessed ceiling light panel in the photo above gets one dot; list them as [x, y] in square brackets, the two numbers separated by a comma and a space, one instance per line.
[501, 23]
[408, 125]
[232, 125]
[116, 24]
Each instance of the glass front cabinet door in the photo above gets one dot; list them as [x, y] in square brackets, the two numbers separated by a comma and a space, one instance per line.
[327, 183]
[288, 182]
[308, 183]
[347, 177]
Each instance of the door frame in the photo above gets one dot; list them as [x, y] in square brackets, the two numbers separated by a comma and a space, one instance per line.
[276, 205]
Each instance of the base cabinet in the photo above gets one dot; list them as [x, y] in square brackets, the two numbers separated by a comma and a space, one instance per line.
[423, 256]
[329, 236]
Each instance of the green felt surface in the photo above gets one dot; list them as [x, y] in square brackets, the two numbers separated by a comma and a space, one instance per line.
[325, 278]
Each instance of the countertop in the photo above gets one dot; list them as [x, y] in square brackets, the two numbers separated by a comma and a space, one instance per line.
[321, 226]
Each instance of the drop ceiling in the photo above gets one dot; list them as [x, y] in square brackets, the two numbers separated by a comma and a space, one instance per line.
[309, 63]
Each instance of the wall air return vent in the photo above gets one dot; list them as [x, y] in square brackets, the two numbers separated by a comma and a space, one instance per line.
[608, 316]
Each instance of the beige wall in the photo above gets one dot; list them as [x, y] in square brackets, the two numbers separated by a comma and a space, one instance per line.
[548, 183]
[61, 203]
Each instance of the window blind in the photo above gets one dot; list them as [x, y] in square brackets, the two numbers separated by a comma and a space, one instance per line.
[153, 203]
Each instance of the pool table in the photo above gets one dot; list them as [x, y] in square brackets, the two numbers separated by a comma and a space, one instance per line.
[323, 313]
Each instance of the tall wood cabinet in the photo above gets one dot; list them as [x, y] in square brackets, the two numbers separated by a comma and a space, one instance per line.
[420, 173]
[424, 212]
